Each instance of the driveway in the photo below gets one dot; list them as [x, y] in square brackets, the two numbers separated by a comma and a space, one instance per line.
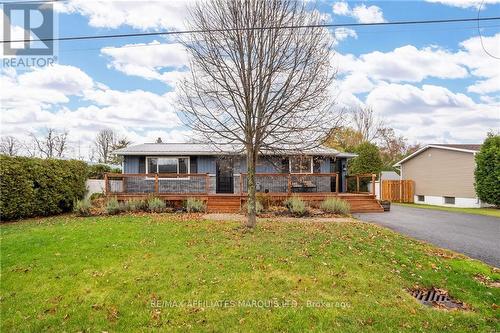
[474, 235]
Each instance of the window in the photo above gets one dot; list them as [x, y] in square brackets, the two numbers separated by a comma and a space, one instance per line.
[421, 198]
[167, 165]
[449, 200]
[301, 164]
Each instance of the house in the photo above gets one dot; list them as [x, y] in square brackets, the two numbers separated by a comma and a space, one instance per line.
[443, 174]
[176, 171]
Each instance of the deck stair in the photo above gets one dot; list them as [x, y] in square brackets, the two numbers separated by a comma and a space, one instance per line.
[224, 203]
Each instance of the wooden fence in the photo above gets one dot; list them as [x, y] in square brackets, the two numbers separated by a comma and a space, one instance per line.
[397, 190]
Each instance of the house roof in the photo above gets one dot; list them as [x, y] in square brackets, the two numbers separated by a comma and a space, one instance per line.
[172, 149]
[466, 148]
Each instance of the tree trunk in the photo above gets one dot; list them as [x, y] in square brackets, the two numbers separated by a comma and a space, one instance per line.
[251, 201]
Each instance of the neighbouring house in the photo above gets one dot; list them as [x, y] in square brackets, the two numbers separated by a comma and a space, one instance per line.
[443, 174]
[179, 170]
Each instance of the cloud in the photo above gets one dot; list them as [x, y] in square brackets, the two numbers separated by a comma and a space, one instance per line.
[41, 98]
[433, 113]
[153, 61]
[464, 3]
[481, 64]
[140, 15]
[341, 34]
[362, 13]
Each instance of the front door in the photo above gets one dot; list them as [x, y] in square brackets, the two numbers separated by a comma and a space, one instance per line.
[224, 180]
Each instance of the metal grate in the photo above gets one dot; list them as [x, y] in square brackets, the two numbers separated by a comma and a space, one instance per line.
[433, 297]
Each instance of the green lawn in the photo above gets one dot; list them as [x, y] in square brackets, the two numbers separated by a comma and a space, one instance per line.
[478, 211]
[140, 273]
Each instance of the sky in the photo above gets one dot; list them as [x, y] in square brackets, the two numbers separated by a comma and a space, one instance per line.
[431, 83]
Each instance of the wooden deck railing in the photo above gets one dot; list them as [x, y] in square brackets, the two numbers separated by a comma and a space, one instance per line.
[163, 183]
[361, 179]
[292, 183]
[195, 183]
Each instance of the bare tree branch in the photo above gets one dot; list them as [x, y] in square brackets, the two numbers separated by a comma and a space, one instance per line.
[261, 90]
[9, 145]
[52, 144]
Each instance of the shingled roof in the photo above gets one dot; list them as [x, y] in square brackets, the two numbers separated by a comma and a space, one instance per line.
[467, 148]
[173, 149]
[475, 147]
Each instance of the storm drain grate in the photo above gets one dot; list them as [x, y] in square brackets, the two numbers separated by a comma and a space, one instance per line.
[436, 297]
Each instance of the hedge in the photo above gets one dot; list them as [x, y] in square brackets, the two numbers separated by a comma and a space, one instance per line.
[97, 171]
[35, 187]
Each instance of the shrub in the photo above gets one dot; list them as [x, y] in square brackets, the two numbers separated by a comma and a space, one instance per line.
[296, 206]
[97, 171]
[259, 208]
[34, 186]
[113, 206]
[195, 205]
[133, 205]
[487, 173]
[82, 207]
[96, 195]
[335, 206]
[264, 199]
[156, 205]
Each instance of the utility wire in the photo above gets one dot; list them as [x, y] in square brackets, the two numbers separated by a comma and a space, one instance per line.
[182, 32]
[357, 31]
[481, 35]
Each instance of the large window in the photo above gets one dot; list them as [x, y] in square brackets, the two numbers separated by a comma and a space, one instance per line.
[167, 165]
[301, 164]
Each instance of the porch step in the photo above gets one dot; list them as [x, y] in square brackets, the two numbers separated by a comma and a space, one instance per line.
[224, 204]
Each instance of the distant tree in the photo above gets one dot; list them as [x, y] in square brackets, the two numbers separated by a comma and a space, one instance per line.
[367, 161]
[52, 144]
[367, 123]
[344, 138]
[487, 173]
[393, 148]
[103, 143]
[121, 143]
[9, 145]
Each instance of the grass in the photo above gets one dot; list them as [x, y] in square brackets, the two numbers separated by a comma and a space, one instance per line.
[141, 273]
[477, 211]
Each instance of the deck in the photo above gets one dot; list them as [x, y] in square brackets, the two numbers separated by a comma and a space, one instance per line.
[275, 187]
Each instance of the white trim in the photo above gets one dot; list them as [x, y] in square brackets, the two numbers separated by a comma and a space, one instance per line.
[460, 202]
[169, 157]
[299, 156]
[433, 146]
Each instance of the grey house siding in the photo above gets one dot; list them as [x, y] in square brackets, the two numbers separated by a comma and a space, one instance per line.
[131, 164]
[208, 165]
[134, 164]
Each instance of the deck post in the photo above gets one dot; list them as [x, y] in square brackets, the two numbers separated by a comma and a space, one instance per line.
[241, 184]
[357, 183]
[207, 183]
[373, 183]
[337, 183]
[156, 184]
[289, 185]
[106, 184]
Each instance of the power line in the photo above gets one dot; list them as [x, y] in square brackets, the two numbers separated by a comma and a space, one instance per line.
[481, 35]
[182, 32]
[357, 31]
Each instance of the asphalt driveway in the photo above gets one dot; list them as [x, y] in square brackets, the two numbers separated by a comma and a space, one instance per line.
[474, 235]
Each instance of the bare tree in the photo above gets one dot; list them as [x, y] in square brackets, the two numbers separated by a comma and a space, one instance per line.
[52, 143]
[121, 143]
[367, 123]
[9, 145]
[104, 142]
[255, 83]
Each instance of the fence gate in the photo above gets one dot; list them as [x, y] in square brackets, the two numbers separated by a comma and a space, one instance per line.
[397, 190]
